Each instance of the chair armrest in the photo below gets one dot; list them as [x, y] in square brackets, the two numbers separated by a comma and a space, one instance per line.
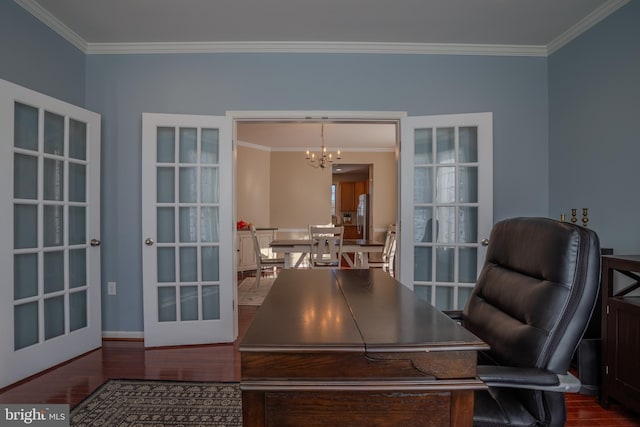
[529, 378]
[454, 314]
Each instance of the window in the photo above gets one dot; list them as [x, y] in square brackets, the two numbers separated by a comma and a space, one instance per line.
[333, 199]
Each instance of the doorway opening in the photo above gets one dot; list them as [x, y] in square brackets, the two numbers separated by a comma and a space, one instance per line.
[276, 187]
[353, 185]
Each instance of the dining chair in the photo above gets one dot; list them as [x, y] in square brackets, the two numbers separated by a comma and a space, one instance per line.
[531, 304]
[326, 251]
[262, 261]
[385, 258]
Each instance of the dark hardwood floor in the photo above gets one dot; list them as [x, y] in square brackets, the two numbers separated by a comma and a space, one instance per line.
[73, 381]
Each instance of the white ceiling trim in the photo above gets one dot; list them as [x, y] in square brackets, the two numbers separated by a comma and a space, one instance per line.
[54, 23]
[76, 40]
[254, 146]
[317, 47]
[589, 21]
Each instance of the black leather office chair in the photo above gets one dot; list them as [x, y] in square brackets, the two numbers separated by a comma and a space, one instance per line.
[531, 304]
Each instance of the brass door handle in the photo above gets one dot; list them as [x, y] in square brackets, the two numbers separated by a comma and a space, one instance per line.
[95, 242]
[149, 241]
[484, 242]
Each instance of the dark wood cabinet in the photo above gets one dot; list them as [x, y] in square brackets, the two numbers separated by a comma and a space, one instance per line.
[351, 232]
[620, 331]
[359, 188]
[349, 193]
[348, 200]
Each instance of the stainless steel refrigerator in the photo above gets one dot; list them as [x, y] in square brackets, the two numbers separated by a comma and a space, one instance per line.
[362, 216]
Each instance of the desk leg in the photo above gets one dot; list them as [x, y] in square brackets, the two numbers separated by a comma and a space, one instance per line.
[253, 409]
[462, 407]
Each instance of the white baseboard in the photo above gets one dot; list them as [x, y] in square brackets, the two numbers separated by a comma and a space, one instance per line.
[123, 335]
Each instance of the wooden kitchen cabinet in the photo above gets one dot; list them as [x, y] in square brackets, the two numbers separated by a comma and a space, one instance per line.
[349, 192]
[351, 232]
[360, 187]
[347, 197]
[620, 332]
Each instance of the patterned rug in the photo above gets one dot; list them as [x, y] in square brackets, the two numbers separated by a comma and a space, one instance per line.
[128, 403]
[249, 295]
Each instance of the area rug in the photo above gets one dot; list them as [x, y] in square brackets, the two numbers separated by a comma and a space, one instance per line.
[248, 294]
[128, 403]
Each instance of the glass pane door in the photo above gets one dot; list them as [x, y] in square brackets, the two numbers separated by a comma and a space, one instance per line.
[53, 165]
[448, 210]
[183, 212]
[187, 224]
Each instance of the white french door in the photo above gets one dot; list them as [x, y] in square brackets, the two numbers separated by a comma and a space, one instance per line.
[446, 204]
[188, 249]
[50, 231]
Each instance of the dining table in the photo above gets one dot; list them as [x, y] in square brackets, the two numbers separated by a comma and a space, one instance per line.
[360, 247]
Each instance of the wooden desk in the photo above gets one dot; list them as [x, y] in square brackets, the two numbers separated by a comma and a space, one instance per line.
[360, 247]
[352, 348]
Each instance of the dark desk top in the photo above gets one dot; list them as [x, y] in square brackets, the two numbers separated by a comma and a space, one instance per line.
[350, 310]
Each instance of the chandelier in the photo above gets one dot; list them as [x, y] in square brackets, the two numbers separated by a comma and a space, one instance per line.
[323, 159]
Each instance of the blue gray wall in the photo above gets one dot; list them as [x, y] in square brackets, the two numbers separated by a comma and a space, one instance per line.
[594, 118]
[571, 148]
[33, 56]
[121, 87]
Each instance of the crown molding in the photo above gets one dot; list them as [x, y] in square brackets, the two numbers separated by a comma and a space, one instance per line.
[54, 23]
[316, 47]
[585, 24]
[72, 37]
[253, 146]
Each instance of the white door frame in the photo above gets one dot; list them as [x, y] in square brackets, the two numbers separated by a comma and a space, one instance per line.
[315, 115]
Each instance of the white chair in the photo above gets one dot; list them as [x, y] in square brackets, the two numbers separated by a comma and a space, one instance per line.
[386, 258]
[326, 252]
[262, 261]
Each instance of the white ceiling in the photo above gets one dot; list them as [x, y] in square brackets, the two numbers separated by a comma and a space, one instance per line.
[299, 136]
[104, 26]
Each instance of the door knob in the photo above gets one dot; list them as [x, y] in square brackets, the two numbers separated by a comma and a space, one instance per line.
[148, 241]
[95, 242]
[484, 242]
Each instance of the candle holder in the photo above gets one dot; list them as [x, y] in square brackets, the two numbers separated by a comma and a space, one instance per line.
[574, 216]
[585, 218]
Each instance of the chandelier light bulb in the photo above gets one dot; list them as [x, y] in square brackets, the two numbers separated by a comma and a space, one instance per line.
[324, 157]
